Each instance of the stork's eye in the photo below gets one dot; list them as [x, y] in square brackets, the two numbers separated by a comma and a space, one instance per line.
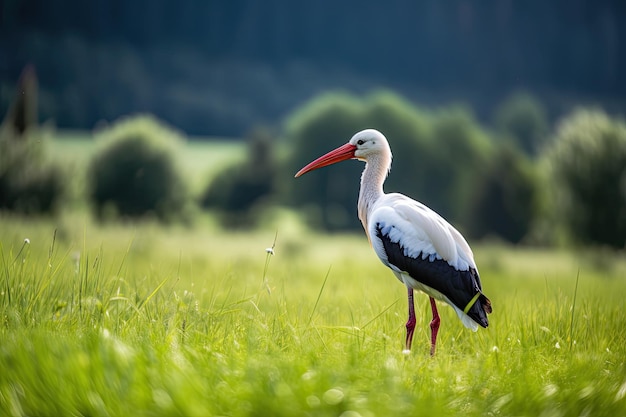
[360, 142]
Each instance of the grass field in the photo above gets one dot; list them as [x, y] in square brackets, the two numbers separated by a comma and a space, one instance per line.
[140, 320]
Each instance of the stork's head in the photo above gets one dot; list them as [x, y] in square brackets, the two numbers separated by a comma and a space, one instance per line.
[364, 145]
[369, 142]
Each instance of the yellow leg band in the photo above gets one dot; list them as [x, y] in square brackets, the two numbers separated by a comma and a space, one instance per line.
[471, 303]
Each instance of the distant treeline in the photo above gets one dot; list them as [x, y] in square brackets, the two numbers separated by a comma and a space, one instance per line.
[221, 67]
[519, 182]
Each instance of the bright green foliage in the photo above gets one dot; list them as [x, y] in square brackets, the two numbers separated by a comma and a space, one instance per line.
[588, 165]
[115, 322]
[134, 172]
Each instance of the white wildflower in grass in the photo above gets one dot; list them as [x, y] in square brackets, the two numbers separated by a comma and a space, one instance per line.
[495, 349]
[26, 242]
[76, 259]
[333, 396]
[501, 402]
[557, 345]
[549, 390]
[586, 392]
[621, 392]
[270, 252]
[308, 375]
[312, 401]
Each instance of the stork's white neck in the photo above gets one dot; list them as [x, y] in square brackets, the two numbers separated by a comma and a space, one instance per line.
[372, 180]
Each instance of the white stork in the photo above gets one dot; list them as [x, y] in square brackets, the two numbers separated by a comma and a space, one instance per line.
[423, 250]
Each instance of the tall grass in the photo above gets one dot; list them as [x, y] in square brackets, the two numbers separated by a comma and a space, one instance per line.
[145, 321]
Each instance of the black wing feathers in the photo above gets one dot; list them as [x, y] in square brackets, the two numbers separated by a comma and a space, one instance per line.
[459, 286]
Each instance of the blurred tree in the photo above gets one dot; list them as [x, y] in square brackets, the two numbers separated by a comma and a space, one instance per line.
[29, 183]
[134, 172]
[523, 118]
[22, 114]
[408, 128]
[460, 152]
[505, 200]
[321, 125]
[588, 166]
[439, 157]
[239, 192]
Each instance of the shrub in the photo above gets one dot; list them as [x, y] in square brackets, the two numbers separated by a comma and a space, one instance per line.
[505, 200]
[134, 173]
[29, 183]
[587, 162]
[460, 149]
[238, 192]
[329, 196]
[409, 130]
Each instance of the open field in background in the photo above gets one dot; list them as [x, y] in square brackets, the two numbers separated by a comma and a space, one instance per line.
[143, 320]
[202, 158]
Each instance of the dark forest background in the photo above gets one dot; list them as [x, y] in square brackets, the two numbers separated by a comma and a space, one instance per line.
[221, 67]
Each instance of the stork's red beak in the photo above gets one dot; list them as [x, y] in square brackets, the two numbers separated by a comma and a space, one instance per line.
[342, 153]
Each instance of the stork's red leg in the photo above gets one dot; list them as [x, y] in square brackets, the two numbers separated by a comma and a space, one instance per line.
[434, 326]
[410, 324]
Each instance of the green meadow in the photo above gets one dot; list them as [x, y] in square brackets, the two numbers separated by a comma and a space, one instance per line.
[143, 320]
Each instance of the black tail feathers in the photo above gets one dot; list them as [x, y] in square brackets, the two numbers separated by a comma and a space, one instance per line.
[478, 312]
